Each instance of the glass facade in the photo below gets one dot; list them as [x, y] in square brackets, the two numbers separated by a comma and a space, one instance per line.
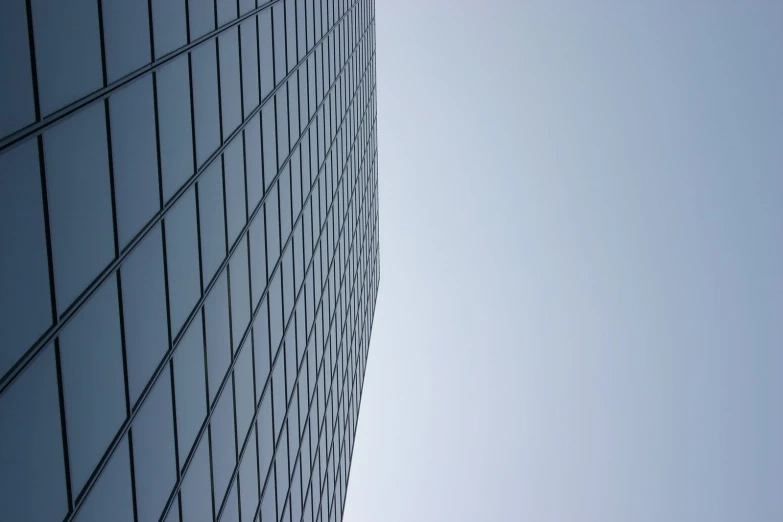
[189, 267]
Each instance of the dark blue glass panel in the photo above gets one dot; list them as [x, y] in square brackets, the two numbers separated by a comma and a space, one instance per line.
[196, 489]
[269, 140]
[31, 450]
[243, 390]
[169, 25]
[253, 162]
[134, 156]
[248, 480]
[223, 446]
[240, 293]
[264, 433]
[77, 170]
[176, 138]
[218, 335]
[281, 105]
[250, 86]
[226, 11]
[67, 51]
[234, 168]
[278, 15]
[190, 387]
[126, 36]
[144, 311]
[17, 107]
[205, 100]
[93, 382]
[24, 268]
[201, 14]
[112, 496]
[211, 220]
[261, 348]
[182, 255]
[257, 256]
[230, 86]
[266, 55]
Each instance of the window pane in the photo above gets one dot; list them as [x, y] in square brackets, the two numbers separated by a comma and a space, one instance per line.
[144, 311]
[278, 14]
[135, 157]
[112, 496]
[77, 169]
[234, 166]
[231, 511]
[168, 21]
[16, 104]
[261, 348]
[281, 105]
[240, 293]
[257, 257]
[176, 139]
[31, 447]
[201, 14]
[275, 312]
[272, 229]
[205, 100]
[255, 179]
[243, 391]
[211, 220]
[126, 33]
[265, 440]
[196, 488]
[223, 447]
[266, 56]
[67, 51]
[182, 253]
[249, 43]
[226, 11]
[93, 382]
[278, 393]
[269, 139]
[230, 86]
[218, 335]
[24, 268]
[248, 480]
[290, 33]
[190, 387]
[153, 450]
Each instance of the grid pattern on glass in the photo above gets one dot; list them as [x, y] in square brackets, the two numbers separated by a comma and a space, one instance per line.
[260, 226]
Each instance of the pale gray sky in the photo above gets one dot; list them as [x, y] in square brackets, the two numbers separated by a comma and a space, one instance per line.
[580, 314]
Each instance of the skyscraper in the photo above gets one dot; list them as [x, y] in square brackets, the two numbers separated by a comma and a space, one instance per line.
[189, 266]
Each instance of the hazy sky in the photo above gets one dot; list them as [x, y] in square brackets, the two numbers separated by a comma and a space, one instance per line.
[580, 314]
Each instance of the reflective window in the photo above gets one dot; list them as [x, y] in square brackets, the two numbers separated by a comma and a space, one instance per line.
[304, 115]
[281, 107]
[196, 489]
[248, 480]
[281, 471]
[126, 36]
[77, 170]
[190, 387]
[298, 259]
[17, 107]
[182, 256]
[272, 229]
[255, 179]
[275, 296]
[301, 45]
[264, 433]
[223, 446]
[243, 391]
[205, 100]
[268, 137]
[290, 32]
[201, 15]
[218, 335]
[278, 15]
[173, 515]
[134, 156]
[278, 393]
[211, 220]
[249, 42]
[268, 511]
[230, 87]
[285, 203]
[257, 240]
[153, 450]
[296, 495]
[266, 56]
[24, 268]
[67, 51]
[168, 21]
[261, 348]
[245, 6]
[226, 11]
[93, 383]
[234, 167]
[176, 139]
[231, 511]
[144, 311]
[240, 293]
[290, 362]
[31, 447]
[112, 496]
[287, 264]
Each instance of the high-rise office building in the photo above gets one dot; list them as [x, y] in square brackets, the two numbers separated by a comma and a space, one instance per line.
[188, 256]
